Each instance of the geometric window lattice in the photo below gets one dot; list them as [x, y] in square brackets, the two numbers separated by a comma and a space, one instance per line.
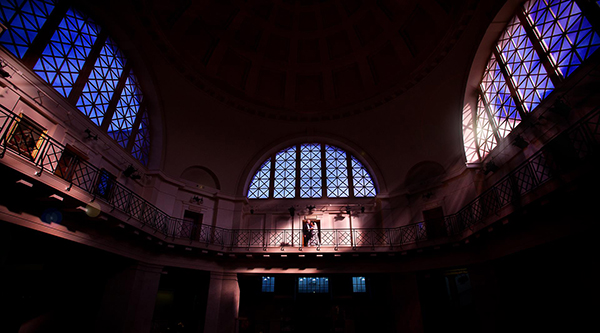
[285, 173]
[259, 187]
[359, 284]
[336, 173]
[63, 59]
[308, 164]
[122, 122]
[564, 32]
[101, 84]
[566, 40]
[64, 56]
[310, 171]
[498, 98]
[313, 285]
[524, 66]
[268, 284]
[470, 144]
[141, 145]
[23, 20]
[486, 140]
[363, 184]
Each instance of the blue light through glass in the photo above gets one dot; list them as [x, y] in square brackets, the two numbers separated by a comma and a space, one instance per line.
[102, 82]
[23, 20]
[64, 56]
[313, 285]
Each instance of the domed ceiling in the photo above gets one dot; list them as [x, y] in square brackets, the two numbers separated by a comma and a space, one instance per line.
[305, 60]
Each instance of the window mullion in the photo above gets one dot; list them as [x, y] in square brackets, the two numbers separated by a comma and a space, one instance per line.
[297, 172]
[87, 68]
[136, 125]
[350, 175]
[112, 105]
[323, 172]
[509, 84]
[491, 117]
[272, 177]
[552, 71]
[44, 35]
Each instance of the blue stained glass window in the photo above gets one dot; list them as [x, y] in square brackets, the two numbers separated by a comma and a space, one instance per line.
[23, 20]
[336, 172]
[313, 285]
[363, 184]
[315, 159]
[122, 122]
[259, 187]
[563, 31]
[63, 59]
[268, 284]
[310, 171]
[64, 56]
[523, 65]
[102, 82]
[141, 145]
[285, 173]
[359, 284]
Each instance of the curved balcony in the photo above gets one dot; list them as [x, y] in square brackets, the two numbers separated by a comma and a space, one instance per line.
[577, 145]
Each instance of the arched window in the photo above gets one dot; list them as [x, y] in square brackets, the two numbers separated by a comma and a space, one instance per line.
[541, 46]
[76, 57]
[311, 170]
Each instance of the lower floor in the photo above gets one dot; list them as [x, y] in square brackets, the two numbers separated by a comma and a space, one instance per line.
[49, 284]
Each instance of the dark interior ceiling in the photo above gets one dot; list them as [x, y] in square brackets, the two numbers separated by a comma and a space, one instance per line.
[296, 59]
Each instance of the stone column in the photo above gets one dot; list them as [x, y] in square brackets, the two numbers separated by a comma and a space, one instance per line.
[223, 303]
[406, 303]
[129, 298]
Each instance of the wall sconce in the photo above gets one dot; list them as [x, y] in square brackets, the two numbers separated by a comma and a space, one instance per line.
[252, 211]
[131, 172]
[490, 167]
[196, 199]
[310, 208]
[362, 209]
[90, 135]
[292, 210]
[3, 72]
[520, 142]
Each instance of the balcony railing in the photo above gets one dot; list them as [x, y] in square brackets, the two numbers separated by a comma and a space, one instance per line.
[566, 151]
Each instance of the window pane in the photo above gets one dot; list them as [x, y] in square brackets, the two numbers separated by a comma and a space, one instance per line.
[122, 122]
[359, 284]
[63, 58]
[564, 32]
[310, 171]
[23, 20]
[336, 172]
[524, 67]
[498, 98]
[268, 284]
[315, 159]
[285, 173]
[259, 188]
[363, 184]
[313, 285]
[102, 83]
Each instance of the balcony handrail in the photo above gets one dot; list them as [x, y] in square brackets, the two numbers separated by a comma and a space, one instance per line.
[49, 155]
